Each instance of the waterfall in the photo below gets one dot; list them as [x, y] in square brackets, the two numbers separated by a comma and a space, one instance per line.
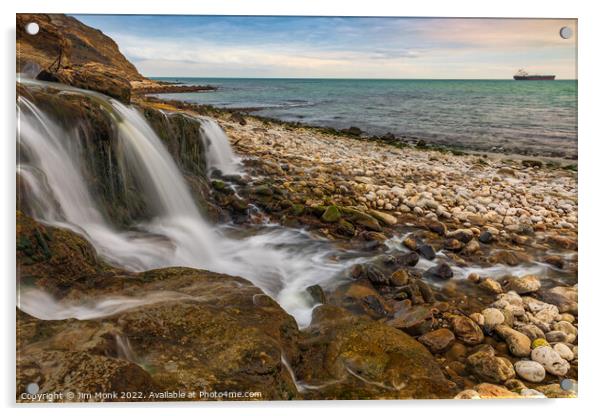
[281, 261]
[219, 153]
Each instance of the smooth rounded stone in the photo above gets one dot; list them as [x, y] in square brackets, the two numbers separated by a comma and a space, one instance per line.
[453, 245]
[467, 395]
[532, 331]
[556, 336]
[511, 297]
[474, 278]
[551, 360]
[438, 340]
[492, 317]
[564, 351]
[410, 242]
[491, 286]
[525, 284]
[472, 247]
[466, 330]
[441, 271]
[487, 367]
[566, 317]
[383, 217]
[478, 318]
[530, 370]
[519, 344]
[569, 329]
[508, 317]
[399, 278]
[464, 235]
[404, 208]
[437, 227]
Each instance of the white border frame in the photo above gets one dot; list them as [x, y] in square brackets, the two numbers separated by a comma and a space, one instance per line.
[590, 205]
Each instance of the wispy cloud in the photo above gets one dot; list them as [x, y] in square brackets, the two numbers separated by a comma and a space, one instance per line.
[340, 47]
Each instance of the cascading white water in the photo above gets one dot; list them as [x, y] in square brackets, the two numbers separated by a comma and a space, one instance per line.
[281, 261]
[219, 152]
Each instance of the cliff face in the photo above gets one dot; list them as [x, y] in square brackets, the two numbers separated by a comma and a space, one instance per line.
[67, 51]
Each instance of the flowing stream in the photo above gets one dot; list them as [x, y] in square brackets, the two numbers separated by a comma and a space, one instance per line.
[281, 261]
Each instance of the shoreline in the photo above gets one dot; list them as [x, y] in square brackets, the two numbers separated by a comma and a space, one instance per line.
[164, 87]
[388, 138]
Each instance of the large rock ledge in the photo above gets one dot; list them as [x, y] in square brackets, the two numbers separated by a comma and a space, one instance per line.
[198, 331]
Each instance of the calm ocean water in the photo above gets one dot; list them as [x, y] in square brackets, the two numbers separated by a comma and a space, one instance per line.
[527, 117]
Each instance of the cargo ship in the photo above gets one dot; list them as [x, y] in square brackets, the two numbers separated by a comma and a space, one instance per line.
[522, 75]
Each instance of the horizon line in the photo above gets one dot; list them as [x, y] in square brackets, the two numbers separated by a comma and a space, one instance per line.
[337, 78]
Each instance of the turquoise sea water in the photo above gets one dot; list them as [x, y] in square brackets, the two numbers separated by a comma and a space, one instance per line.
[526, 117]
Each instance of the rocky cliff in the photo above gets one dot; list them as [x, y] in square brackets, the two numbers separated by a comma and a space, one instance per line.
[67, 51]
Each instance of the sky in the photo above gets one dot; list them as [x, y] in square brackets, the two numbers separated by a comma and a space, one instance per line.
[340, 47]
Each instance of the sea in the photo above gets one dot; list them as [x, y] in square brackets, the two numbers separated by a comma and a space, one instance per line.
[535, 118]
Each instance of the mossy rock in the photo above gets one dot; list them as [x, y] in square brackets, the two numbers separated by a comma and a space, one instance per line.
[361, 218]
[331, 214]
[297, 209]
[218, 185]
[345, 227]
[539, 342]
[263, 190]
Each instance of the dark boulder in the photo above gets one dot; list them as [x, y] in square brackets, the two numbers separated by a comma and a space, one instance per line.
[441, 271]
[317, 293]
[426, 251]
[407, 259]
[486, 237]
